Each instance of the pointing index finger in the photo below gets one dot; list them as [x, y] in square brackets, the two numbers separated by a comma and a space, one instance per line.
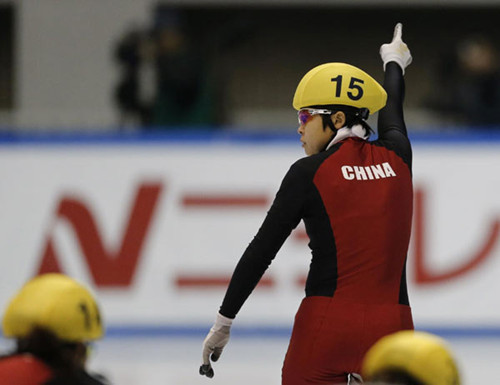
[398, 32]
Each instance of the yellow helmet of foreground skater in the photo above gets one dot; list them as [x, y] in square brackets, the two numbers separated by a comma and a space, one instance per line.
[421, 355]
[57, 303]
[339, 84]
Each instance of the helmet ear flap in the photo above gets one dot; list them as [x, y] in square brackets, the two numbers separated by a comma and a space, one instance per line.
[363, 113]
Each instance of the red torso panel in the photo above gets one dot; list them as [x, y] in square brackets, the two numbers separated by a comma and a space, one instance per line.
[23, 369]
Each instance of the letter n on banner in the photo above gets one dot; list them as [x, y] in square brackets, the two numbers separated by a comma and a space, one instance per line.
[108, 268]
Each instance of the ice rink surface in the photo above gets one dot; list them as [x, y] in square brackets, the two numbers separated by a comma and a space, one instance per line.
[246, 360]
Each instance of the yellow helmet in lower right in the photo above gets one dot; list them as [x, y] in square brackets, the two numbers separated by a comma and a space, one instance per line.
[423, 356]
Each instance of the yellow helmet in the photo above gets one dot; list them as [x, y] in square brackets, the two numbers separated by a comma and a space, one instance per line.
[423, 356]
[339, 83]
[55, 302]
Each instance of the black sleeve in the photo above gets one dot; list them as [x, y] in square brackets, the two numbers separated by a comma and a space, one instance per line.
[391, 125]
[283, 216]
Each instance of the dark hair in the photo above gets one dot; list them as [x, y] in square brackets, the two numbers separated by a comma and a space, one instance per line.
[353, 116]
[63, 357]
[395, 376]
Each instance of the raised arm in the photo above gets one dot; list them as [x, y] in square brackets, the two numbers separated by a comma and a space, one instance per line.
[391, 116]
[391, 125]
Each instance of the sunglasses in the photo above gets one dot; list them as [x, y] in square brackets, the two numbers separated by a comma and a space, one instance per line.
[306, 114]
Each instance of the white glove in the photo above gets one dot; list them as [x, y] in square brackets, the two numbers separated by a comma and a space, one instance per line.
[214, 343]
[397, 51]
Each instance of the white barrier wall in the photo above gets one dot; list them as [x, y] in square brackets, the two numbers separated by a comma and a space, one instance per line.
[156, 229]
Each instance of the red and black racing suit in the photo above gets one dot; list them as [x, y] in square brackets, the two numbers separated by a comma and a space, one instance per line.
[26, 369]
[355, 199]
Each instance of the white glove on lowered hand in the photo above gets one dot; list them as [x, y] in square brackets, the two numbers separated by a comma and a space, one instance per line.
[214, 343]
[397, 51]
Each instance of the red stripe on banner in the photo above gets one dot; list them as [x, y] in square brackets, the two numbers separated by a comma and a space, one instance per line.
[224, 200]
[215, 282]
[301, 281]
[300, 235]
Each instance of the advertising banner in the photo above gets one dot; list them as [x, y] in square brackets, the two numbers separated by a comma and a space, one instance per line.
[157, 228]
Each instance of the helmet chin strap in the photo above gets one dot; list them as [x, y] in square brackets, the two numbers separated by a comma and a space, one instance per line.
[334, 134]
[332, 137]
[327, 122]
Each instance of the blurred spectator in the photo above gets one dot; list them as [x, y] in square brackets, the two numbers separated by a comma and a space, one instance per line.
[185, 95]
[470, 83]
[410, 358]
[53, 318]
[165, 79]
[478, 91]
[135, 92]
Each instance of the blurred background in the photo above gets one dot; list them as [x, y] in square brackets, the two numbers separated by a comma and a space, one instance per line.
[142, 142]
[232, 64]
